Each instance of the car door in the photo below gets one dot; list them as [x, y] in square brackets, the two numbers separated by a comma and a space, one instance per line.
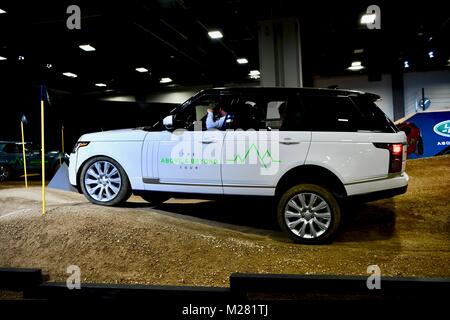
[257, 155]
[188, 158]
[34, 158]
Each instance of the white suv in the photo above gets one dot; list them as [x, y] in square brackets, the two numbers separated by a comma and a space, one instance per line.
[309, 149]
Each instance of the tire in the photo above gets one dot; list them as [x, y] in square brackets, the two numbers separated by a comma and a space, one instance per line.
[5, 173]
[103, 181]
[311, 227]
[155, 198]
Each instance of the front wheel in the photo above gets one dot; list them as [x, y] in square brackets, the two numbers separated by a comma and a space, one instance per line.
[103, 181]
[309, 214]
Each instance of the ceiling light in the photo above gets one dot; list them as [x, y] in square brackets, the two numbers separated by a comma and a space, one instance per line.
[49, 66]
[87, 47]
[100, 85]
[70, 74]
[406, 64]
[254, 74]
[215, 34]
[2, 58]
[141, 69]
[368, 18]
[431, 54]
[356, 66]
[2, 11]
[242, 61]
[165, 80]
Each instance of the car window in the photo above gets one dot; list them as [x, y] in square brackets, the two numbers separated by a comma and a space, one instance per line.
[247, 114]
[330, 113]
[373, 119]
[283, 113]
[264, 112]
[276, 111]
[12, 148]
[196, 111]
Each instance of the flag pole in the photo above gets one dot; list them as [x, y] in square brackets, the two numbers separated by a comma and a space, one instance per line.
[62, 145]
[24, 155]
[42, 150]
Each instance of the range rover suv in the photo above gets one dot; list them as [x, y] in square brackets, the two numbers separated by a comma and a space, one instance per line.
[308, 149]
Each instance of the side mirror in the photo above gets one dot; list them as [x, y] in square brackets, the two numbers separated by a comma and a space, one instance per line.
[168, 122]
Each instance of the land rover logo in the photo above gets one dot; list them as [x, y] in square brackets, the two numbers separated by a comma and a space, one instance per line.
[443, 128]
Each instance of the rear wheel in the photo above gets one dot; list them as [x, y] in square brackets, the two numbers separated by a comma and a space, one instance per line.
[309, 214]
[5, 173]
[103, 181]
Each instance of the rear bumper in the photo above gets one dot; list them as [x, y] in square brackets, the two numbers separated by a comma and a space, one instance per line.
[390, 185]
[377, 195]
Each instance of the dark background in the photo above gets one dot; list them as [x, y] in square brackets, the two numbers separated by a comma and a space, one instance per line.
[169, 37]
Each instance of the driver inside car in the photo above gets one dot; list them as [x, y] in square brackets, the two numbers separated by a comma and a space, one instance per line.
[223, 118]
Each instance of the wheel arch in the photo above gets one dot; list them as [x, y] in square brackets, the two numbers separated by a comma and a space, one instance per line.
[310, 173]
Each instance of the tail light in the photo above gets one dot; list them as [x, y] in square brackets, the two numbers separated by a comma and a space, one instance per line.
[395, 155]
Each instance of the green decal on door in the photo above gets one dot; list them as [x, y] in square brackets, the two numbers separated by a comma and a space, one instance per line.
[262, 158]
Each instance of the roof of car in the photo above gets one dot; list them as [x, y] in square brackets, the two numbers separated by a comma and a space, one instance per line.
[318, 91]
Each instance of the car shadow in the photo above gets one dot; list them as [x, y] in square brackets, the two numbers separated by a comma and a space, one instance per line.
[235, 214]
[368, 221]
[361, 222]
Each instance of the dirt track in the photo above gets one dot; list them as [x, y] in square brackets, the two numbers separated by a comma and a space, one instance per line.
[191, 242]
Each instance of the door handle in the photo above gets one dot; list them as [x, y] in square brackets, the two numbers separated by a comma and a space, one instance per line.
[289, 141]
[208, 141]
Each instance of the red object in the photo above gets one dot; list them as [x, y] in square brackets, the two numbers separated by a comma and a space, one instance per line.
[415, 142]
[397, 149]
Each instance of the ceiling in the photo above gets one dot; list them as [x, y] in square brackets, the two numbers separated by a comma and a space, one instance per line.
[169, 38]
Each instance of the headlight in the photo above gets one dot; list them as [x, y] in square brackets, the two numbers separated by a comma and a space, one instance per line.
[78, 145]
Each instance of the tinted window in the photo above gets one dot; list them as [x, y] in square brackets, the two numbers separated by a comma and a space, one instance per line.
[12, 148]
[373, 119]
[292, 114]
[330, 113]
[275, 112]
[251, 112]
[246, 114]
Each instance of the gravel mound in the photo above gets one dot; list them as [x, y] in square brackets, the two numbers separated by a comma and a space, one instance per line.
[193, 242]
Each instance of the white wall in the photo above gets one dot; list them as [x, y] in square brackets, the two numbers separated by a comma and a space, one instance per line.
[360, 82]
[437, 89]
